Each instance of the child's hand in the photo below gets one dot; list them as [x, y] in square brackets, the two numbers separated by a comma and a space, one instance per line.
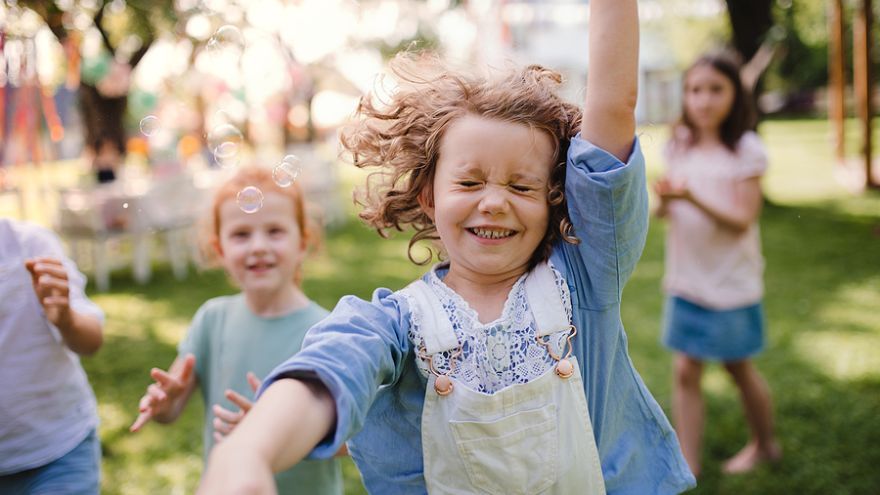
[225, 420]
[161, 396]
[667, 189]
[49, 278]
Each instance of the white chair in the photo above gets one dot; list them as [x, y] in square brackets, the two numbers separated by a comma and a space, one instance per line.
[95, 218]
[170, 208]
[100, 219]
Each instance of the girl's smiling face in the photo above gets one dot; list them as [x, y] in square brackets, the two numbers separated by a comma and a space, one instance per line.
[489, 197]
[261, 251]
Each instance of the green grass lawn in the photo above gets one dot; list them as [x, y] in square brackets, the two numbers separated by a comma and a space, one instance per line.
[822, 361]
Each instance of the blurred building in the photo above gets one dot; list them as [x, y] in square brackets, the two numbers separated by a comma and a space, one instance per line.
[553, 33]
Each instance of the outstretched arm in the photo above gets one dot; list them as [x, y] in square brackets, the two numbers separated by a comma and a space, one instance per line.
[285, 424]
[612, 81]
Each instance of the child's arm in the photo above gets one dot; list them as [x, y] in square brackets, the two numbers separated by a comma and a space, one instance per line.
[225, 420]
[166, 398]
[82, 333]
[285, 424]
[737, 211]
[661, 188]
[612, 80]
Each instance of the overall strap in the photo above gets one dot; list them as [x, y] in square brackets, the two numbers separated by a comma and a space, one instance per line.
[545, 301]
[437, 331]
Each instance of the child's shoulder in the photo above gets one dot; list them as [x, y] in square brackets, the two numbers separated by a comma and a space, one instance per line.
[751, 144]
[751, 156]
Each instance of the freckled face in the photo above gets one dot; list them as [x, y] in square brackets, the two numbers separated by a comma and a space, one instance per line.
[708, 97]
[490, 196]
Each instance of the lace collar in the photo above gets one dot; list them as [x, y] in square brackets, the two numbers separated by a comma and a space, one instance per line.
[448, 297]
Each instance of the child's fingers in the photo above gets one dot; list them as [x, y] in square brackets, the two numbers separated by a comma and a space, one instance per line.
[143, 418]
[227, 415]
[253, 381]
[50, 282]
[146, 403]
[218, 437]
[221, 426]
[239, 400]
[55, 270]
[56, 301]
[157, 392]
[186, 370]
[165, 380]
[39, 264]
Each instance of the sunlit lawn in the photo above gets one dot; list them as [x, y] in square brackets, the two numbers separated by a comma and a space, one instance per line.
[822, 362]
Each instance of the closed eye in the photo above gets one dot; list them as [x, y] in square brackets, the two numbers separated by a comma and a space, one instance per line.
[520, 188]
[468, 183]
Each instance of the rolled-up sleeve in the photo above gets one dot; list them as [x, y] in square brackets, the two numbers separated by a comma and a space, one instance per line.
[354, 351]
[608, 207]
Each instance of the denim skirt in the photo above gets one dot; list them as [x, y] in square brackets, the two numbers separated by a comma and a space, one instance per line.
[709, 334]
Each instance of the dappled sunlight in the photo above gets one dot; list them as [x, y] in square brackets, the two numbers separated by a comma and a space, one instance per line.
[854, 308]
[841, 355]
[171, 331]
[176, 474]
[716, 381]
[845, 342]
[126, 314]
[115, 416]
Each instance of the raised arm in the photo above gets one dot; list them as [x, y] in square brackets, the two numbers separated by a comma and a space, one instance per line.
[612, 80]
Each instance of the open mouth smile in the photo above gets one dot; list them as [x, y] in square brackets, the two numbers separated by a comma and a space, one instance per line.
[491, 232]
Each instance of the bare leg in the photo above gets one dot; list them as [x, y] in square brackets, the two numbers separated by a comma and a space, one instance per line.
[687, 408]
[758, 407]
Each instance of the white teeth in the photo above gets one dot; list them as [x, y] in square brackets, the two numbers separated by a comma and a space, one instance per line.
[492, 233]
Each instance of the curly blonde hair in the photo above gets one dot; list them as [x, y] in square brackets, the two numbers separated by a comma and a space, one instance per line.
[400, 138]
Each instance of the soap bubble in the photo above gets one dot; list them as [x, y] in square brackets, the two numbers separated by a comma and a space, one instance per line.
[226, 37]
[226, 141]
[249, 199]
[287, 171]
[149, 125]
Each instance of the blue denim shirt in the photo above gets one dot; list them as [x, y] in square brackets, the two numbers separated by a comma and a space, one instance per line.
[363, 356]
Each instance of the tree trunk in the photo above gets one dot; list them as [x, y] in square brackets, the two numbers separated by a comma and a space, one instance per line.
[103, 118]
[750, 20]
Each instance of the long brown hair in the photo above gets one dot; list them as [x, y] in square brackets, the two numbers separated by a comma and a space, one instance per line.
[741, 117]
[400, 138]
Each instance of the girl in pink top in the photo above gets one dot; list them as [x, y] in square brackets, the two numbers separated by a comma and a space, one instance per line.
[711, 196]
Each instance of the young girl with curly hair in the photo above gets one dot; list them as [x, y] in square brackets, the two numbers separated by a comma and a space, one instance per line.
[504, 369]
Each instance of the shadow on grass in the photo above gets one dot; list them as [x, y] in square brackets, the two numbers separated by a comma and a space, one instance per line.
[822, 360]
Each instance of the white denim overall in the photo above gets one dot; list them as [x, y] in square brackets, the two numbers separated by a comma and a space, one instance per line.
[529, 438]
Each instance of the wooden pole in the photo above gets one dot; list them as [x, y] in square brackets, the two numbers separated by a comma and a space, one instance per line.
[862, 81]
[836, 77]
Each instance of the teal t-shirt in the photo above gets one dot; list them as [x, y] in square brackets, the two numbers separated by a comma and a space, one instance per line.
[228, 340]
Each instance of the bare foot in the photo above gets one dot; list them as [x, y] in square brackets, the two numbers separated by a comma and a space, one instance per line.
[750, 457]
